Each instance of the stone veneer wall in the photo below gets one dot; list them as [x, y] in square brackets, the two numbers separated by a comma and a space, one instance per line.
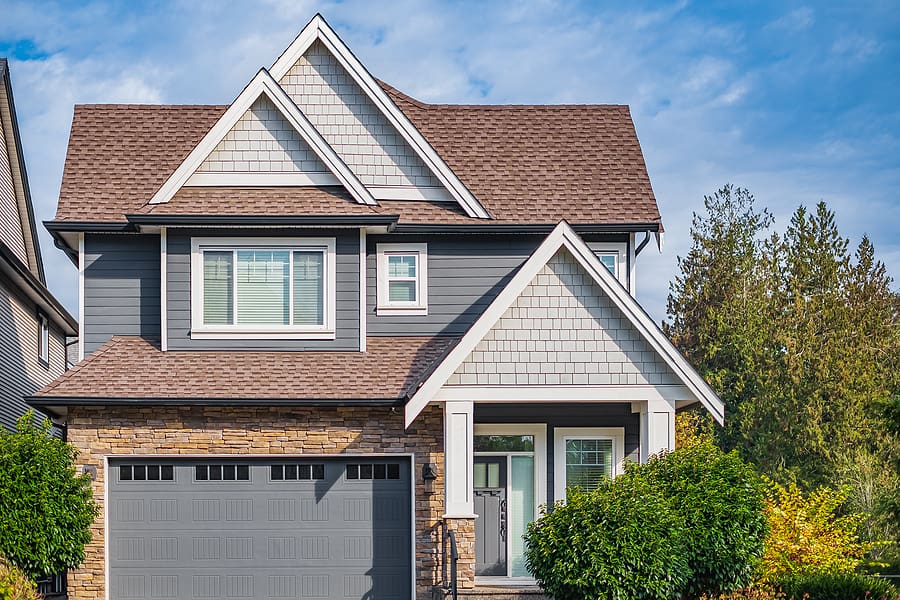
[120, 431]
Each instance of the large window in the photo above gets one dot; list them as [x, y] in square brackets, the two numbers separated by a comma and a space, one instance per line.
[254, 287]
[585, 457]
[402, 286]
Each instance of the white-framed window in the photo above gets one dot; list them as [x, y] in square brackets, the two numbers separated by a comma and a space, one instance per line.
[43, 340]
[402, 279]
[263, 288]
[586, 456]
[614, 256]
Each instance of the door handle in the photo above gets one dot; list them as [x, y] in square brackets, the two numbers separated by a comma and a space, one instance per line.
[503, 520]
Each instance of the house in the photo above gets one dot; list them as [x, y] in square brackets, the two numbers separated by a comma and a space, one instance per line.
[33, 324]
[327, 325]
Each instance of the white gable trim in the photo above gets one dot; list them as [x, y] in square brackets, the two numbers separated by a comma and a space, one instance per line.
[263, 83]
[563, 236]
[318, 29]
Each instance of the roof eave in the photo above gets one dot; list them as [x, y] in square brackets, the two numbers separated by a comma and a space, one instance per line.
[25, 279]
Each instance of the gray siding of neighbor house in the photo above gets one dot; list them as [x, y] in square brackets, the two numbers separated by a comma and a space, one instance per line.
[21, 372]
[121, 287]
[567, 415]
[465, 273]
[179, 292]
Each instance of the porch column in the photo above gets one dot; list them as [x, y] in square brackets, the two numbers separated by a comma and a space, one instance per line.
[657, 427]
[458, 460]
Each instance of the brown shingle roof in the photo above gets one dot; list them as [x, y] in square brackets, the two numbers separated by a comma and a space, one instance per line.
[133, 368]
[525, 164]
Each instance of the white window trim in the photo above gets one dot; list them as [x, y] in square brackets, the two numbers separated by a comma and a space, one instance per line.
[43, 339]
[326, 331]
[383, 305]
[561, 434]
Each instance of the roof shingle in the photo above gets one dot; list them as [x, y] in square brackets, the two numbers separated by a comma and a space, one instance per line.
[133, 367]
[525, 164]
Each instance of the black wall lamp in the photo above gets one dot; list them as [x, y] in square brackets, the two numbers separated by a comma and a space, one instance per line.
[429, 472]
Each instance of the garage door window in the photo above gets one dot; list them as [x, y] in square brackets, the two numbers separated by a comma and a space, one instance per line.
[307, 472]
[222, 473]
[146, 473]
[376, 471]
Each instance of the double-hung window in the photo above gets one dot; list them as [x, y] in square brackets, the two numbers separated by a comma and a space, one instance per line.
[402, 286]
[262, 288]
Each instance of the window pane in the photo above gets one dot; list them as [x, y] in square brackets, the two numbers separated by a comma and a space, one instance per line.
[588, 462]
[262, 286]
[504, 443]
[218, 301]
[521, 510]
[309, 288]
[480, 475]
[402, 266]
[402, 291]
[493, 475]
[609, 261]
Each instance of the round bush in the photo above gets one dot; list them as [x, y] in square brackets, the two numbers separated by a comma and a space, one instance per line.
[721, 500]
[621, 541]
[837, 586]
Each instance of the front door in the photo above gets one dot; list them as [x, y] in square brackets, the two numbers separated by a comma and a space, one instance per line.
[490, 506]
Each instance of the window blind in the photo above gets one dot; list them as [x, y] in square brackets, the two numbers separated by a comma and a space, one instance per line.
[263, 286]
[402, 274]
[218, 288]
[588, 462]
[309, 288]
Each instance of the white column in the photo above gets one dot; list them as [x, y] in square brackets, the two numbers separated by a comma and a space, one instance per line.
[458, 460]
[657, 427]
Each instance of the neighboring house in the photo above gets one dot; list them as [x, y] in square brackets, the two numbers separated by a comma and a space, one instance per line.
[33, 325]
[328, 323]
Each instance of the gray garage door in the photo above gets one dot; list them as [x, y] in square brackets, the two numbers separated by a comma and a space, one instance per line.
[217, 528]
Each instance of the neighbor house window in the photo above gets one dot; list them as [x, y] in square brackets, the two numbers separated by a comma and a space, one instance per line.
[586, 457]
[261, 288]
[43, 340]
[402, 273]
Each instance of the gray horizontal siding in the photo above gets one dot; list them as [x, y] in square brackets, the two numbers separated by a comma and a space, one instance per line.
[179, 293]
[465, 274]
[567, 415]
[121, 287]
[21, 372]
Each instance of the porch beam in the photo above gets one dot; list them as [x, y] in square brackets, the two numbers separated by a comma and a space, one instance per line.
[458, 460]
[564, 393]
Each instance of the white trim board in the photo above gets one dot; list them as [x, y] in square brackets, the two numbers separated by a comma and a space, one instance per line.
[563, 393]
[81, 266]
[563, 236]
[262, 83]
[318, 29]
[163, 290]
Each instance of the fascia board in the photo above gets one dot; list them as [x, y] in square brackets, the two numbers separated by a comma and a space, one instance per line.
[564, 236]
[262, 83]
[318, 29]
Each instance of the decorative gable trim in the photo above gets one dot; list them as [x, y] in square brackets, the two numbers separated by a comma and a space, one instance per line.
[262, 83]
[318, 29]
[563, 236]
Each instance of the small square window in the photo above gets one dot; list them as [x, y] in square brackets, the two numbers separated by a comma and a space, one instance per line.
[318, 471]
[167, 473]
[215, 472]
[243, 472]
[139, 472]
[152, 472]
[125, 473]
[290, 472]
[393, 471]
[402, 279]
[277, 473]
[201, 473]
[379, 471]
[352, 471]
[229, 472]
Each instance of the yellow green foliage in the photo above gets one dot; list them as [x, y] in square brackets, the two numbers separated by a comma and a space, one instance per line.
[693, 428]
[808, 534]
[14, 584]
[758, 592]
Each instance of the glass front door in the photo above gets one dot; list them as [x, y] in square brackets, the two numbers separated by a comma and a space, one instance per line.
[504, 502]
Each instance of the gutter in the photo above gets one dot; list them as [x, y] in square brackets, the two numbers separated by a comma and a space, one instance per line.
[512, 228]
[48, 402]
[266, 220]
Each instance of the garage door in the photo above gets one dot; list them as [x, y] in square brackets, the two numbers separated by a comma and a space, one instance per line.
[260, 529]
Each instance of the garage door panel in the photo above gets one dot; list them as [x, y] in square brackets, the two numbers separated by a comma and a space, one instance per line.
[345, 535]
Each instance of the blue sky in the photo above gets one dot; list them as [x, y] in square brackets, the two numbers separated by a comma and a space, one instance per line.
[799, 102]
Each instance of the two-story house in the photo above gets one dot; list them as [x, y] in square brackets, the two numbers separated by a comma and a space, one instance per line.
[327, 324]
[33, 324]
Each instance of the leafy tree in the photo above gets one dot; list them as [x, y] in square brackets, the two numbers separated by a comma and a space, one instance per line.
[46, 508]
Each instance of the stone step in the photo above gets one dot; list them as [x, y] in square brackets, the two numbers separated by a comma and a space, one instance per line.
[483, 592]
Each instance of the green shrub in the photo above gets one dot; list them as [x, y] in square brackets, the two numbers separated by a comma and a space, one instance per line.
[721, 500]
[756, 592]
[46, 509]
[837, 586]
[621, 541]
[14, 584]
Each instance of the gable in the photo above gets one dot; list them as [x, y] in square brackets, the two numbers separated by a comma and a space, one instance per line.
[263, 141]
[563, 329]
[11, 232]
[351, 123]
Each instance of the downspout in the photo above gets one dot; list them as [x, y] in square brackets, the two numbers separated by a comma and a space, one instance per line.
[643, 243]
